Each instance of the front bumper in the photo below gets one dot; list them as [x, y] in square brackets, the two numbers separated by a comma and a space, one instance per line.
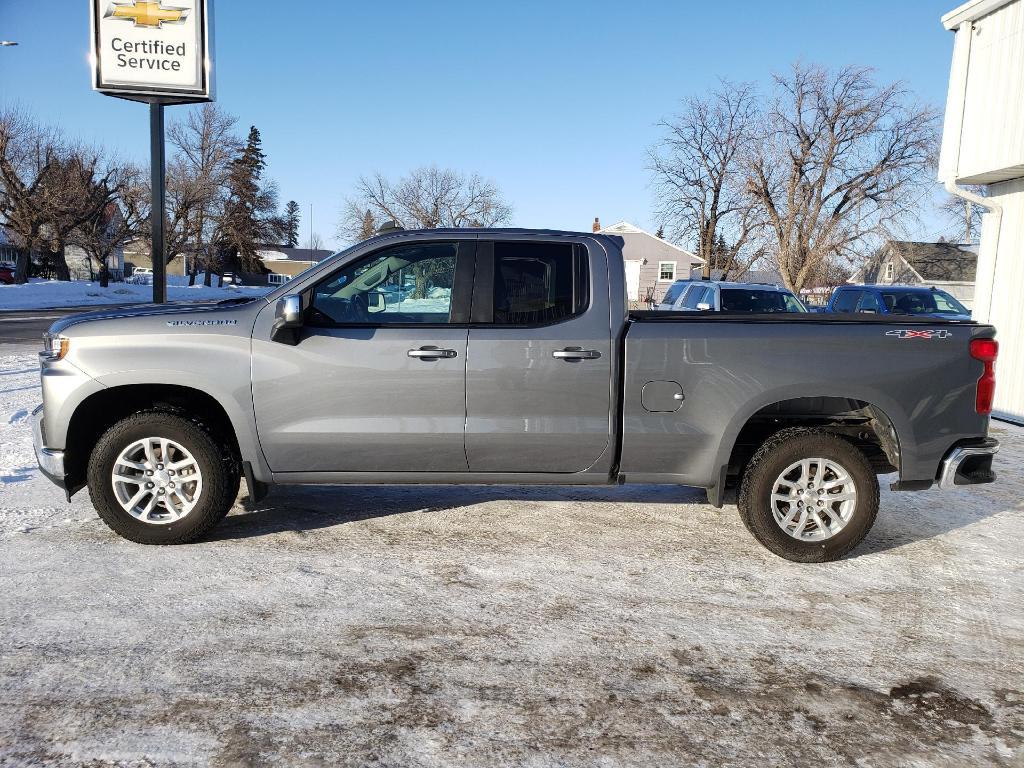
[968, 464]
[51, 462]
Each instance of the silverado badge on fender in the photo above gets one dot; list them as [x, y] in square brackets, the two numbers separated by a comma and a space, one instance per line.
[929, 334]
[176, 323]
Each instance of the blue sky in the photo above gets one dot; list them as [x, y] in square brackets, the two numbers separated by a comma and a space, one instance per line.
[556, 101]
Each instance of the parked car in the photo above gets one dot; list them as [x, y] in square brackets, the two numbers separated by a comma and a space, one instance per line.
[6, 275]
[141, 276]
[723, 296]
[529, 369]
[914, 300]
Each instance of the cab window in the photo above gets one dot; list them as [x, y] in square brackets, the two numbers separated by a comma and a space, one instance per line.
[403, 284]
[696, 295]
[869, 303]
[535, 283]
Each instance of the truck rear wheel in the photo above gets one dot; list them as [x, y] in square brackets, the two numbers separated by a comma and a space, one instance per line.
[808, 496]
[158, 478]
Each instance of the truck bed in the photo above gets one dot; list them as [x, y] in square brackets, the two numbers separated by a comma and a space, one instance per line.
[657, 316]
[724, 370]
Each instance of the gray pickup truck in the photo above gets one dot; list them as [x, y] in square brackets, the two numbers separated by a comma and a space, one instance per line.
[507, 357]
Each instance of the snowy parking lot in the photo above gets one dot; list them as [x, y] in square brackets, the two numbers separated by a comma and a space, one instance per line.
[423, 626]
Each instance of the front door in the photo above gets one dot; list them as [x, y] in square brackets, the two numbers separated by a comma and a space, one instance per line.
[377, 380]
[539, 365]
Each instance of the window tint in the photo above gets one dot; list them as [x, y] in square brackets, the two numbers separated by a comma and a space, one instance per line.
[752, 300]
[923, 302]
[869, 303]
[695, 296]
[673, 293]
[404, 284]
[538, 283]
[845, 301]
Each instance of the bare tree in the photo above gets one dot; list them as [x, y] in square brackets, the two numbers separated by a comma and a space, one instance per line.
[963, 217]
[28, 159]
[79, 189]
[205, 145]
[314, 242]
[698, 178]
[123, 219]
[427, 198]
[841, 163]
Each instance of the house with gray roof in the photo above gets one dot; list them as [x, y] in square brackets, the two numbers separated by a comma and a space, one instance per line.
[652, 264]
[949, 266]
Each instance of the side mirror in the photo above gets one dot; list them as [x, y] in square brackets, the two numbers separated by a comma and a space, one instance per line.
[287, 320]
[703, 306]
[376, 302]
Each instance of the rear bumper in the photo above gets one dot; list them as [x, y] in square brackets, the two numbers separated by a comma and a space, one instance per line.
[51, 462]
[968, 464]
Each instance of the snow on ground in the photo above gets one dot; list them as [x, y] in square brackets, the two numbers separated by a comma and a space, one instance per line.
[428, 626]
[43, 294]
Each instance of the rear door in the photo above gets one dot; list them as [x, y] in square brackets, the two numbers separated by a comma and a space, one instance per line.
[539, 363]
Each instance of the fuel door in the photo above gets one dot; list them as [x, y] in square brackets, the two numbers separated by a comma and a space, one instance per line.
[661, 396]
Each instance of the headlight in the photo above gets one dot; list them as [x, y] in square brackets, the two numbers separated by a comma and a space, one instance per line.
[55, 346]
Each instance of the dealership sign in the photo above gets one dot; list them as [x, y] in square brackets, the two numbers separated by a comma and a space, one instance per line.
[152, 50]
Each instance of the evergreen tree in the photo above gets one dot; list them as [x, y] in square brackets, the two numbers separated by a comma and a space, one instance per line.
[660, 234]
[369, 226]
[249, 212]
[291, 223]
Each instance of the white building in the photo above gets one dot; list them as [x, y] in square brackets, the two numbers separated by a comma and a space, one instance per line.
[983, 144]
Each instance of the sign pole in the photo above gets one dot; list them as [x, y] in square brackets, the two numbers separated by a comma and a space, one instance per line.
[157, 216]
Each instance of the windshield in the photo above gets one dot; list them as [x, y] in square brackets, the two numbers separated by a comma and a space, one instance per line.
[673, 293]
[757, 300]
[933, 302]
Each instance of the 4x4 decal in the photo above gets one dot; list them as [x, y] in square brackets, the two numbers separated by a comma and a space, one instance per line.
[906, 333]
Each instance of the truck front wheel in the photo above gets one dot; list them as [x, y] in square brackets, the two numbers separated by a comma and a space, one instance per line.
[158, 478]
[808, 496]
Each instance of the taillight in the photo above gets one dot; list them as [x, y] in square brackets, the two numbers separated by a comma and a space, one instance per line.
[985, 350]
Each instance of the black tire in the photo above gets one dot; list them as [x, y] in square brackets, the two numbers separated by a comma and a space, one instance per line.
[777, 453]
[219, 471]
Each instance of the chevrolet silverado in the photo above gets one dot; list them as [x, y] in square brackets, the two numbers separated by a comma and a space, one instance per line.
[507, 357]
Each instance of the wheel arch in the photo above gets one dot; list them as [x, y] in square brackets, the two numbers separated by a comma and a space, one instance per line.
[104, 408]
[872, 421]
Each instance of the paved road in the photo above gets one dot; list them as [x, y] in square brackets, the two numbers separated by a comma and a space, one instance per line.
[26, 327]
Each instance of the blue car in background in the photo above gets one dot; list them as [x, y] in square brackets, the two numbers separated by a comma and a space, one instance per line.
[916, 300]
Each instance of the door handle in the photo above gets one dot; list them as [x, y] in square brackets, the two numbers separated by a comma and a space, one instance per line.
[576, 354]
[429, 353]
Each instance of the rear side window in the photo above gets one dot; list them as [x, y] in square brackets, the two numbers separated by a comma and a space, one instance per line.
[846, 301]
[752, 300]
[538, 283]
